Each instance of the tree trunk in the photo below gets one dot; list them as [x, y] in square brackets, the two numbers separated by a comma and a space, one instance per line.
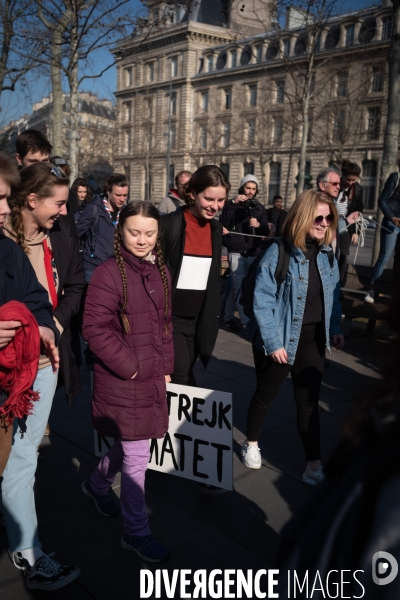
[391, 138]
[56, 87]
[74, 106]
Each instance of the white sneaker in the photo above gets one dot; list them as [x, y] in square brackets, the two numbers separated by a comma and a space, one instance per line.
[369, 297]
[313, 477]
[251, 456]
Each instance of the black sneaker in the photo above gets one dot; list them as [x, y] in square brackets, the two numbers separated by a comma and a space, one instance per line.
[46, 574]
[211, 490]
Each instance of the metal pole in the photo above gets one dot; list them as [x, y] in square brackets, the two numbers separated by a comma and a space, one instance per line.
[169, 125]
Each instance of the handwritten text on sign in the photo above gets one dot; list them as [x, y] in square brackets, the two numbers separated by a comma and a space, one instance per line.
[198, 444]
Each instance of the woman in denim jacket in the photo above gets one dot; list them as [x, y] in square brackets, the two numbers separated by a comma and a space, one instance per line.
[295, 322]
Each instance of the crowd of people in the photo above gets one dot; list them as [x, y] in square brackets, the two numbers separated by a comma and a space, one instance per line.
[142, 287]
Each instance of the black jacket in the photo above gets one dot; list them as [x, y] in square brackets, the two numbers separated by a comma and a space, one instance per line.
[98, 233]
[389, 199]
[18, 281]
[173, 245]
[279, 222]
[235, 217]
[71, 284]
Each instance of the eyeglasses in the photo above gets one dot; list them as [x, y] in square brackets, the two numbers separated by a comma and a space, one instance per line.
[318, 220]
[334, 183]
[57, 172]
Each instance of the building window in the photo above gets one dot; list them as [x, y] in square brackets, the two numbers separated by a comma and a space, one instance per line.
[210, 63]
[128, 76]
[150, 72]
[227, 99]
[369, 170]
[225, 168]
[174, 66]
[172, 137]
[127, 142]
[339, 126]
[234, 57]
[286, 47]
[252, 95]
[274, 186]
[173, 104]
[203, 137]
[342, 84]
[349, 41]
[374, 117]
[204, 101]
[259, 50]
[226, 135]
[278, 130]
[377, 79]
[171, 177]
[387, 25]
[127, 112]
[249, 168]
[251, 132]
[150, 104]
[280, 91]
[312, 84]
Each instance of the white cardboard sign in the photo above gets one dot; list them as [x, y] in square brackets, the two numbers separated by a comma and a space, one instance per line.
[198, 444]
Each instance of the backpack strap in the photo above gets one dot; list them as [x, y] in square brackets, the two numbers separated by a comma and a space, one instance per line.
[174, 231]
[283, 262]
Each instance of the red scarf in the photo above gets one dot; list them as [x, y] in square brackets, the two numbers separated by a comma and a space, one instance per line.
[19, 362]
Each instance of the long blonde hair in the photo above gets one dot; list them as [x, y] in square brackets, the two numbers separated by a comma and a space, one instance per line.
[301, 216]
[146, 209]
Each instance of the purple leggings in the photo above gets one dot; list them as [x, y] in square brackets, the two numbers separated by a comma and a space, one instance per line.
[131, 459]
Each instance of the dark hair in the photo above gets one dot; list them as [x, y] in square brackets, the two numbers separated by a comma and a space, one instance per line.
[8, 171]
[146, 209]
[206, 176]
[277, 197]
[39, 179]
[116, 179]
[179, 175]
[80, 182]
[32, 140]
[350, 168]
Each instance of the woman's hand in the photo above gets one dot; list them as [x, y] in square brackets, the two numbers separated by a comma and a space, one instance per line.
[354, 238]
[352, 217]
[48, 341]
[8, 330]
[133, 376]
[396, 221]
[225, 231]
[280, 356]
[338, 341]
[167, 378]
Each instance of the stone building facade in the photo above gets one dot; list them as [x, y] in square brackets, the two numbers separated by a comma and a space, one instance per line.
[227, 87]
[96, 133]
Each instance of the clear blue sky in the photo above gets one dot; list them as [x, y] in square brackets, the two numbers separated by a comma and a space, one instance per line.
[18, 103]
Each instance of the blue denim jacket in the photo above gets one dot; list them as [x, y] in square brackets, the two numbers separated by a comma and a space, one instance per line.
[279, 312]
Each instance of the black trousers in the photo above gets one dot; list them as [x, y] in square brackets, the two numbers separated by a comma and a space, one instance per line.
[184, 331]
[344, 245]
[307, 372]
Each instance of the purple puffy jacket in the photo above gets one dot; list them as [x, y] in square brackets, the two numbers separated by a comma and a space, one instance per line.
[129, 409]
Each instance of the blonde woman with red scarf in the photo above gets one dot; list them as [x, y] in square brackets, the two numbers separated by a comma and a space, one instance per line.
[40, 199]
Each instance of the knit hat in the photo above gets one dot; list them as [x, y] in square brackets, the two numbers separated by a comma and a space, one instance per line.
[248, 178]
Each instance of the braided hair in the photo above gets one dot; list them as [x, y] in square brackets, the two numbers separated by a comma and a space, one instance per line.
[145, 209]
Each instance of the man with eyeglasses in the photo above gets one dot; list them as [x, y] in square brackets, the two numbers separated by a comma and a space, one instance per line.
[329, 183]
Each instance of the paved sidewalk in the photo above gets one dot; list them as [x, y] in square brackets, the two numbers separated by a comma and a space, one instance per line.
[238, 530]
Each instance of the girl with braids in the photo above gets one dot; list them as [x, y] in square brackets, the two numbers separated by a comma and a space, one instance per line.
[127, 323]
[38, 202]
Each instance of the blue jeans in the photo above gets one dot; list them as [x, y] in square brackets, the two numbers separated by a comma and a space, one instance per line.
[388, 244]
[19, 476]
[239, 266]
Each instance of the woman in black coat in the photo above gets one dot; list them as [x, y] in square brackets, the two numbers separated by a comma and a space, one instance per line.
[38, 202]
[192, 248]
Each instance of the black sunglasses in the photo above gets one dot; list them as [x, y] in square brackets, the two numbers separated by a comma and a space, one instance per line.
[328, 219]
[57, 172]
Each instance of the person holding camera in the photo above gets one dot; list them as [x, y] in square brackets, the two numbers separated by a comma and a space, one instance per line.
[242, 218]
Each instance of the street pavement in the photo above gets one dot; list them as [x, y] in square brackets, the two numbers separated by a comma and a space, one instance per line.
[237, 530]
